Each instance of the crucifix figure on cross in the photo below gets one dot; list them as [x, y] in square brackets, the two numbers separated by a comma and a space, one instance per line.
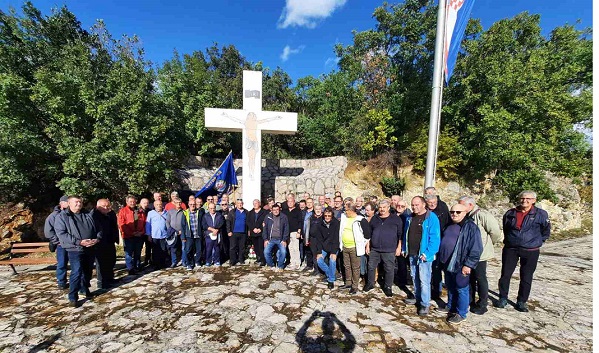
[251, 121]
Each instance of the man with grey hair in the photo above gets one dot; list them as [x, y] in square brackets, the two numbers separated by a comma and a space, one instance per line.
[440, 204]
[432, 203]
[490, 234]
[360, 206]
[525, 230]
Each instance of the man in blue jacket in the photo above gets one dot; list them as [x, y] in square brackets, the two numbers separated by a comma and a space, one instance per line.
[78, 235]
[525, 229]
[422, 236]
[459, 254]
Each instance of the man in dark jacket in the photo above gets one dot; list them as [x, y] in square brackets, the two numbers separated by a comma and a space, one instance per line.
[459, 253]
[106, 219]
[212, 223]
[327, 236]
[62, 259]
[254, 221]
[384, 245]
[78, 235]
[310, 232]
[525, 230]
[237, 232]
[432, 203]
[296, 223]
[276, 234]
[192, 236]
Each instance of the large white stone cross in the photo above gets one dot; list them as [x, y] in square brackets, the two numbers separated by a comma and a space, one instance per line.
[251, 121]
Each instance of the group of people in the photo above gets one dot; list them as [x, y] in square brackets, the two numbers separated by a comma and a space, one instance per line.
[328, 236]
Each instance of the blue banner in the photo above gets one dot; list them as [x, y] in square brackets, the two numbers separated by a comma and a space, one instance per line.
[222, 182]
[457, 15]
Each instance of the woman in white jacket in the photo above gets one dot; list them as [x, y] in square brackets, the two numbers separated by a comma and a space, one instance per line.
[354, 233]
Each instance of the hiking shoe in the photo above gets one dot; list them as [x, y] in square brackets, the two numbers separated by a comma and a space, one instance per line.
[479, 310]
[74, 303]
[331, 285]
[455, 319]
[345, 286]
[353, 291]
[522, 307]
[368, 287]
[410, 301]
[423, 311]
[388, 292]
[63, 286]
[444, 309]
[501, 303]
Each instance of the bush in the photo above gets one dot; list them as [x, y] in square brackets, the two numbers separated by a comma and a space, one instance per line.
[393, 186]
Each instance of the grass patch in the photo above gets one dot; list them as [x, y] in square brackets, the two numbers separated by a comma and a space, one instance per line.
[585, 229]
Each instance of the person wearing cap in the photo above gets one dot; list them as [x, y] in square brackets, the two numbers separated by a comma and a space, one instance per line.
[62, 259]
[171, 205]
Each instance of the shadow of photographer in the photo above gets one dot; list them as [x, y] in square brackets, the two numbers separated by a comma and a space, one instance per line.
[334, 334]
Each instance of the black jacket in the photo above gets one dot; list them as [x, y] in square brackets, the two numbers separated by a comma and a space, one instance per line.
[231, 220]
[295, 219]
[327, 236]
[252, 221]
[108, 227]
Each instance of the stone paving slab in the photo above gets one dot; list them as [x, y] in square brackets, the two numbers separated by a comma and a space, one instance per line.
[248, 309]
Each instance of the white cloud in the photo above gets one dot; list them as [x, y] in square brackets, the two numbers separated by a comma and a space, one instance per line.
[288, 51]
[306, 13]
[331, 62]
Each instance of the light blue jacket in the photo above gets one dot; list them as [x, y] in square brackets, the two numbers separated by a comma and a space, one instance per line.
[156, 224]
[431, 236]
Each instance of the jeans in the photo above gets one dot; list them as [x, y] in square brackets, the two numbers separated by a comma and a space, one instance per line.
[421, 276]
[82, 263]
[388, 259]
[364, 265]
[528, 265]
[329, 269]
[236, 248]
[192, 252]
[294, 253]
[281, 253]
[172, 249]
[212, 251]
[132, 252]
[62, 260]
[480, 284]
[458, 292]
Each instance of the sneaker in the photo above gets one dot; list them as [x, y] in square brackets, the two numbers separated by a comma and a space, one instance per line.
[501, 303]
[444, 309]
[63, 286]
[189, 268]
[522, 307]
[173, 265]
[353, 291]
[455, 319]
[410, 301]
[423, 311]
[388, 292]
[368, 287]
[74, 303]
[217, 264]
[346, 286]
[479, 310]
[331, 285]
[208, 265]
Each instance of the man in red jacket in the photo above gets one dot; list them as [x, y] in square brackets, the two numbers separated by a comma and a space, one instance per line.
[131, 221]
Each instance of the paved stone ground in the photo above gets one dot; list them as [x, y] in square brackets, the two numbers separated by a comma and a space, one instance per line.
[248, 309]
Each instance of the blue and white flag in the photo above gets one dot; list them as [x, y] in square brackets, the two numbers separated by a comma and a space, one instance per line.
[222, 181]
[457, 15]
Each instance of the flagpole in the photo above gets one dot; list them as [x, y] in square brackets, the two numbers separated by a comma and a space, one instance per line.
[437, 90]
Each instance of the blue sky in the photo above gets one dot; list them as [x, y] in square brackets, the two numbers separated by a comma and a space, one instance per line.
[297, 35]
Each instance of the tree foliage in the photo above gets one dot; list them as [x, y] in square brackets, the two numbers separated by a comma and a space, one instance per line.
[86, 113]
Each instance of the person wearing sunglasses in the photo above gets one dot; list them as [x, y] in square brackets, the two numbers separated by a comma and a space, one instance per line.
[422, 235]
[490, 234]
[327, 235]
[525, 230]
[459, 253]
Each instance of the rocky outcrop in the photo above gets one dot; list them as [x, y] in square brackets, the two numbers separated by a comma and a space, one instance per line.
[16, 224]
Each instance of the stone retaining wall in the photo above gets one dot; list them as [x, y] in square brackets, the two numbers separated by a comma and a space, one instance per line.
[279, 177]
